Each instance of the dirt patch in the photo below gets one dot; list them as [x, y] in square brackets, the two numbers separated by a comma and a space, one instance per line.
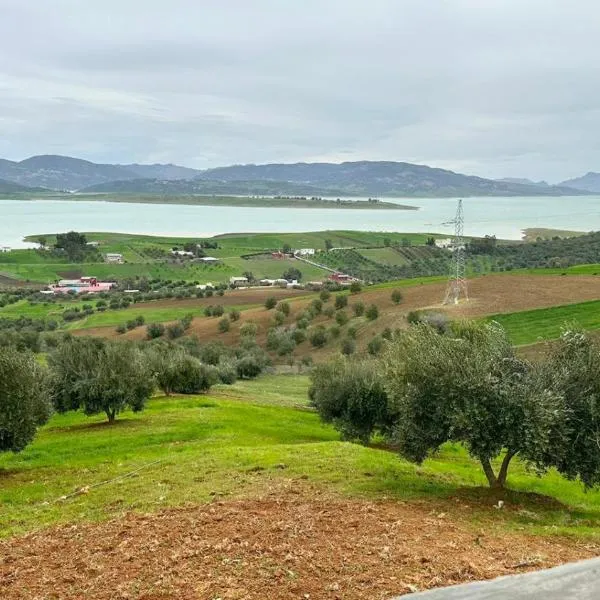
[293, 543]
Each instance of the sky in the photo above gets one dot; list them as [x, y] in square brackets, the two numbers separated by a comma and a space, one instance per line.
[487, 87]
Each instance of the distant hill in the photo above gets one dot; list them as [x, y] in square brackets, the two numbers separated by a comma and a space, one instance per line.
[8, 187]
[522, 181]
[363, 178]
[382, 179]
[590, 182]
[210, 187]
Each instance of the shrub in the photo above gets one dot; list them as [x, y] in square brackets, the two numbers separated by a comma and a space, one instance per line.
[131, 324]
[224, 325]
[372, 312]
[317, 306]
[249, 367]
[218, 310]
[299, 336]
[284, 308]
[278, 318]
[329, 312]
[139, 321]
[341, 318]
[213, 352]
[155, 330]
[352, 332]
[375, 346]
[248, 329]
[351, 396]
[359, 309]
[341, 301]
[121, 328]
[334, 331]
[348, 346]
[386, 334]
[180, 373]
[302, 323]
[175, 330]
[355, 287]
[24, 399]
[227, 372]
[208, 311]
[235, 314]
[325, 295]
[270, 302]
[318, 337]
[186, 321]
[396, 296]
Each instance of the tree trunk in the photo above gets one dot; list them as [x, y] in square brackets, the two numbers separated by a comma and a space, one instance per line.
[111, 414]
[500, 481]
[489, 473]
[504, 468]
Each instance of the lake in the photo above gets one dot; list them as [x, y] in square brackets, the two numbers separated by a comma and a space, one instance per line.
[503, 217]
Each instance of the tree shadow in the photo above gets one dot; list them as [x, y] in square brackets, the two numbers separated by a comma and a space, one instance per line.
[99, 426]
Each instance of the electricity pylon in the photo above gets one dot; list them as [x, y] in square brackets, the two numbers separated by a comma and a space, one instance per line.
[457, 281]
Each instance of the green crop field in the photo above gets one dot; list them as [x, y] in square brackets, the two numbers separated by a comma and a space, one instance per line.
[385, 256]
[233, 442]
[530, 326]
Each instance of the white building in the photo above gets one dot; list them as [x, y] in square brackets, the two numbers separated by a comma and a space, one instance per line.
[210, 260]
[443, 242]
[182, 253]
[114, 258]
[238, 281]
[5, 248]
[305, 252]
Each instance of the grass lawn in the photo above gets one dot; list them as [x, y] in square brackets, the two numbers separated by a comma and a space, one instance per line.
[233, 442]
[151, 314]
[530, 326]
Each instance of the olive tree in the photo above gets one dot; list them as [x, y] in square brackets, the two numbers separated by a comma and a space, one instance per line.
[24, 399]
[351, 395]
[470, 388]
[100, 377]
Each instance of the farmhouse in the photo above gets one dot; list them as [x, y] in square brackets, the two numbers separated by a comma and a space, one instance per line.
[5, 248]
[210, 260]
[341, 278]
[205, 286]
[305, 252]
[238, 281]
[83, 285]
[114, 258]
[266, 282]
[444, 243]
[182, 253]
[93, 244]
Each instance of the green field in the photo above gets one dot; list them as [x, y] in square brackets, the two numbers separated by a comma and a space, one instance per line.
[235, 441]
[531, 326]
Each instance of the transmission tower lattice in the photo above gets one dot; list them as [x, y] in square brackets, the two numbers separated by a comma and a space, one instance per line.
[457, 281]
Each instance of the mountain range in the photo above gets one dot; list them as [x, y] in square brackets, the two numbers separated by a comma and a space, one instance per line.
[361, 178]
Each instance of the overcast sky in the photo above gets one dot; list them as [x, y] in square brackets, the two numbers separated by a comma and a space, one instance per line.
[488, 87]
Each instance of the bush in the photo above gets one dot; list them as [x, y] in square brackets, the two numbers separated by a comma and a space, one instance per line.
[359, 309]
[208, 311]
[131, 324]
[351, 395]
[352, 332]
[318, 337]
[386, 334]
[139, 321]
[155, 330]
[355, 287]
[248, 329]
[227, 372]
[317, 306]
[372, 312]
[341, 318]
[334, 331]
[213, 352]
[180, 373]
[302, 323]
[270, 302]
[299, 336]
[341, 301]
[224, 325]
[284, 308]
[329, 312]
[218, 310]
[396, 296]
[348, 346]
[235, 314]
[325, 295]
[120, 329]
[278, 318]
[375, 346]
[175, 330]
[186, 321]
[24, 399]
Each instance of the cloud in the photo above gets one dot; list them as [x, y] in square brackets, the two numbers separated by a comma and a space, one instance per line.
[495, 88]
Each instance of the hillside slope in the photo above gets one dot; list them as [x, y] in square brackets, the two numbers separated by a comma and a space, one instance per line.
[382, 178]
[590, 182]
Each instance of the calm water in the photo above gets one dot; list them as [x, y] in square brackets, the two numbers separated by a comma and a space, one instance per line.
[503, 217]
